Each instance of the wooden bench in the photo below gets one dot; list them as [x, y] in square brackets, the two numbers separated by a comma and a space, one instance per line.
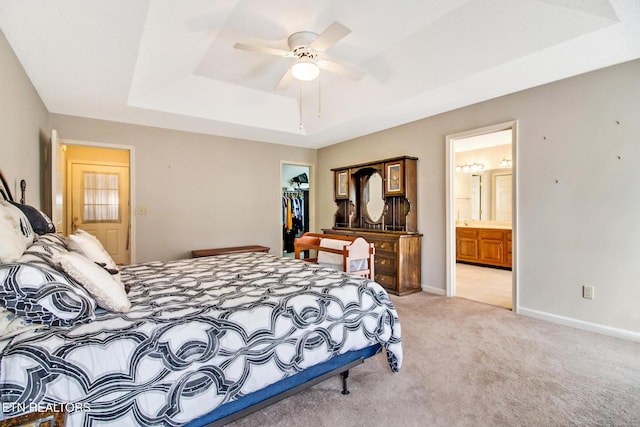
[225, 251]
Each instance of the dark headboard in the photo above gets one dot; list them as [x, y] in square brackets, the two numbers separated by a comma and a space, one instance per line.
[5, 189]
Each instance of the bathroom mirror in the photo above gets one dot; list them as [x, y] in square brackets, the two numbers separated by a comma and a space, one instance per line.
[374, 202]
[484, 196]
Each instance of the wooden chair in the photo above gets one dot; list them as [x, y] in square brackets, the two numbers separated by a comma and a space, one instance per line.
[346, 250]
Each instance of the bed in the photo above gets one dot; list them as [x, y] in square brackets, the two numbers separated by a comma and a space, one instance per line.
[204, 340]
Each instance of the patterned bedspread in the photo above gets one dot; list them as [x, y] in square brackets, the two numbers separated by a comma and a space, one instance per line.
[201, 332]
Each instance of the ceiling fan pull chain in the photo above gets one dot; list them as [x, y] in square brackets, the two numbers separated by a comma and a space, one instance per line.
[319, 96]
[300, 104]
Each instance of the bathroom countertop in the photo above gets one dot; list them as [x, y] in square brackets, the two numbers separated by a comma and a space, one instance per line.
[475, 224]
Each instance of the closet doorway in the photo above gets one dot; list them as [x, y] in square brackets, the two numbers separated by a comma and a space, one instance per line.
[296, 213]
[481, 215]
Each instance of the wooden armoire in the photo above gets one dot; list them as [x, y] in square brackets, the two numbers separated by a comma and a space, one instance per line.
[377, 201]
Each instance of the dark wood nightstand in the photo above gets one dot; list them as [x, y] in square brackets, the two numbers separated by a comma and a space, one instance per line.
[46, 418]
[225, 251]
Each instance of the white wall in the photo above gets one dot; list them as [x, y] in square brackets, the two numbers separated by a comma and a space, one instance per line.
[24, 124]
[291, 171]
[583, 133]
[200, 191]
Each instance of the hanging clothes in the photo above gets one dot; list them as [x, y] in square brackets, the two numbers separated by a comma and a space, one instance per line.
[293, 217]
[289, 214]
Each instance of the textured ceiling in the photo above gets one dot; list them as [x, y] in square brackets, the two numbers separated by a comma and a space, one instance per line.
[172, 64]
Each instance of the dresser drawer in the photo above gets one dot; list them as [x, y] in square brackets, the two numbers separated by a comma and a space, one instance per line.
[385, 264]
[387, 246]
[386, 280]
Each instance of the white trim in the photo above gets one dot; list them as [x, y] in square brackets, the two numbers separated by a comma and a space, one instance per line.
[433, 290]
[132, 183]
[96, 144]
[581, 324]
[450, 224]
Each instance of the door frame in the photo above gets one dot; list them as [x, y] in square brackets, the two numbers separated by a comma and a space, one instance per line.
[450, 223]
[312, 199]
[132, 181]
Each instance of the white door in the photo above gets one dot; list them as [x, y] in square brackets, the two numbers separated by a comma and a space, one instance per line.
[57, 182]
[100, 206]
[502, 197]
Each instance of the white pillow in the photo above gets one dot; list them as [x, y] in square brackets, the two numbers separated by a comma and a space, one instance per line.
[12, 245]
[12, 325]
[108, 293]
[24, 229]
[88, 245]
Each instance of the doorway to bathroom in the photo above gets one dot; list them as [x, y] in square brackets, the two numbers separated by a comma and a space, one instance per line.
[481, 215]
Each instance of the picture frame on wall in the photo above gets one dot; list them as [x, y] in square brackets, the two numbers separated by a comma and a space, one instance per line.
[342, 184]
[394, 184]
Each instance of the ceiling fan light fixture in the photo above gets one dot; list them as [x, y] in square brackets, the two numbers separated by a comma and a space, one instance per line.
[305, 70]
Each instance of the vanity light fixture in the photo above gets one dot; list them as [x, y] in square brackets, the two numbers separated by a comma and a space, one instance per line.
[505, 163]
[473, 167]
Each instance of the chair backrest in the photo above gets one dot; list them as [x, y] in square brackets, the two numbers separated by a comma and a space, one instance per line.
[353, 255]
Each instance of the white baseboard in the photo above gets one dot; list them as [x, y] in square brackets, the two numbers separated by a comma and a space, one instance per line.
[580, 324]
[432, 290]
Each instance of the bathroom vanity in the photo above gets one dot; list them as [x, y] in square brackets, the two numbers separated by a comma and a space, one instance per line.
[484, 243]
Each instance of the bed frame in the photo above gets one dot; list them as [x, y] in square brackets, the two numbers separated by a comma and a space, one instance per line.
[269, 395]
[357, 249]
[5, 190]
[339, 365]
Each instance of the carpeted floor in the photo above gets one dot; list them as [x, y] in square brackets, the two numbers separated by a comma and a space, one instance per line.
[472, 364]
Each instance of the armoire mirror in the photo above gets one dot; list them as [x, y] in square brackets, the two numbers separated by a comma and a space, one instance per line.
[374, 203]
[366, 203]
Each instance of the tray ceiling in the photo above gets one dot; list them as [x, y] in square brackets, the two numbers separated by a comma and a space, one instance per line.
[172, 64]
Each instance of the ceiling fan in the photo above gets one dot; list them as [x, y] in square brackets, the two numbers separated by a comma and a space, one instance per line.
[308, 48]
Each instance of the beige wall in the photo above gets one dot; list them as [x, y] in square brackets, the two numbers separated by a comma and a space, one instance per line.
[200, 191]
[24, 122]
[579, 230]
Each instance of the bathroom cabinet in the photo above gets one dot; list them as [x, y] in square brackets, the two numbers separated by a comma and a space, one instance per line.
[485, 246]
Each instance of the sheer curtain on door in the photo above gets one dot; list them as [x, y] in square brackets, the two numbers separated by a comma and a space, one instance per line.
[100, 197]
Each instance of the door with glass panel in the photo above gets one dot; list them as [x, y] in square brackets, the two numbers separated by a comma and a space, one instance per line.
[100, 206]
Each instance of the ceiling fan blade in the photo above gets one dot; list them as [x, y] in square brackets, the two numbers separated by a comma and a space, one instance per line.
[334, 33]
[341, 69]
[263, 49]
[285, 81]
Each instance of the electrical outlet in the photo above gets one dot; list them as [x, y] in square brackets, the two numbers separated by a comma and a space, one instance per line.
[587, 292]
[143, 210]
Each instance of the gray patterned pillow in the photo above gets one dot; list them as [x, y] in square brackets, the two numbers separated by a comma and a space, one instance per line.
[44, 249]
[42, 295]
